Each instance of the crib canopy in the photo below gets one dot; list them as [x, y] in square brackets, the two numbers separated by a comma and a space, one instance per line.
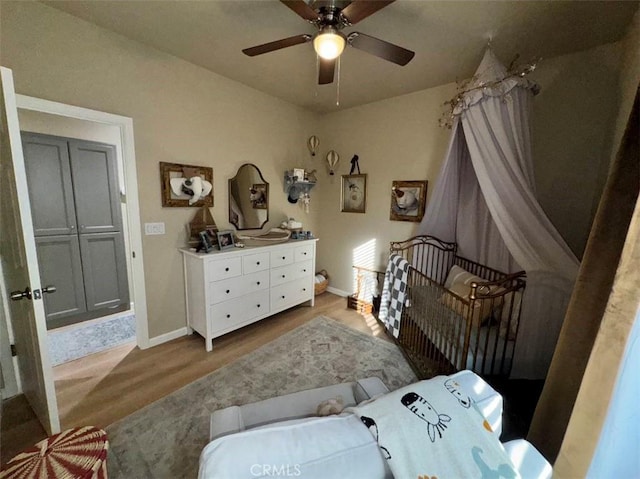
[485, 200]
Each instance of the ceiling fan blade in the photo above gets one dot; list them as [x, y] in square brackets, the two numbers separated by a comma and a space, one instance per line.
[302, 9]
[380, 48]
[358, 10]
[326, 71]
[277, 45]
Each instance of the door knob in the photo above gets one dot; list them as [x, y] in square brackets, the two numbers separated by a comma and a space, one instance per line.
[49, 289]
[18, 295]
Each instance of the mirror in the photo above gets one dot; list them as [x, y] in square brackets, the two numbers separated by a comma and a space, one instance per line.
[248, 198]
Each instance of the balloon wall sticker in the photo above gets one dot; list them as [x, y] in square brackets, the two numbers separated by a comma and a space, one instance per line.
[332, 160]
[312, 144]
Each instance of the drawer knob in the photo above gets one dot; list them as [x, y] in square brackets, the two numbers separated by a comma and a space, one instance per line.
[305, 253]
[226, 269]
[304, 270]
[284, 257]
[283, 275]
[257, 262]
[258, 306]
[227, 291]
[228, 315]
[282, 296]
[304, 289]
[258, 283]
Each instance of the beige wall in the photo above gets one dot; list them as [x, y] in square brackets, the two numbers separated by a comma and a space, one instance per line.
[185, 114]
[396, 139]
[181, 114]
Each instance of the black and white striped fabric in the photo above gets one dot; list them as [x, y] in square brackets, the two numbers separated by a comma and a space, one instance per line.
[394, 293]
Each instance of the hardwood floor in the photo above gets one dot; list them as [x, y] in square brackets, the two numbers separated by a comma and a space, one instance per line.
[104, 387]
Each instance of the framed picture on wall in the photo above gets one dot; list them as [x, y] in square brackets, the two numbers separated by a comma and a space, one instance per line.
[354, 193]
[186, 185]
[408, 200]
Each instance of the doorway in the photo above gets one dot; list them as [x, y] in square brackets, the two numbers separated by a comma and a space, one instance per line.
[44, 111]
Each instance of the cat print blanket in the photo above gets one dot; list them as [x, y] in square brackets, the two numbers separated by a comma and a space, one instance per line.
[431, 429]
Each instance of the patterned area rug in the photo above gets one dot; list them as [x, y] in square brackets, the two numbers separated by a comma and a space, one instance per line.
[164, 439]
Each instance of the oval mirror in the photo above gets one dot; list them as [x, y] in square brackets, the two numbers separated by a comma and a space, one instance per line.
[248, 198]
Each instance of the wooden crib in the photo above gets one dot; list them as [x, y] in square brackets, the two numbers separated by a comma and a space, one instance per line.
[458, 314]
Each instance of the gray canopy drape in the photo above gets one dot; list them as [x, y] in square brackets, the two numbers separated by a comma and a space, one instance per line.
[485, 200]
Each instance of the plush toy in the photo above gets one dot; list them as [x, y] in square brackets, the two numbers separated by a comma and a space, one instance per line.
[331, 406]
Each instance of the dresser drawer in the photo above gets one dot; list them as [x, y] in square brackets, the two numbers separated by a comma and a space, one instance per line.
[281, 257]
[255, 262]
[256, 304]
[304, 252]
[228, 314]
[220, 269]
[303, 269]
[234, 287]
[284, 274]
[289, 294]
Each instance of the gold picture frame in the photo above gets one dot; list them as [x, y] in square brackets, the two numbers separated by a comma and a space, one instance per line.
[408, 199]
[169, 171]
[353, 198]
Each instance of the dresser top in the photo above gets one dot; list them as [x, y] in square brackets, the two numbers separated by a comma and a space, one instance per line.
[247, 249]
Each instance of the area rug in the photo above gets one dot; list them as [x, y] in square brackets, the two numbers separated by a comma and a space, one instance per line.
[164, 439]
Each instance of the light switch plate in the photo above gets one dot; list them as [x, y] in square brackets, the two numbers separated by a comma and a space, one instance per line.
[154, 228]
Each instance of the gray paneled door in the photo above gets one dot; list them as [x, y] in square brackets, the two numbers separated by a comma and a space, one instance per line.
[60, 266]
[46, 160]
[105, 275]
[95, 187]
[73, 188]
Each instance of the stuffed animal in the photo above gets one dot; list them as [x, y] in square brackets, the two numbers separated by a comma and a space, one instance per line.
[331, 406]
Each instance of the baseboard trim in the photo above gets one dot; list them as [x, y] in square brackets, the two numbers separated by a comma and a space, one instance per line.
[163, 338]
[337, 291]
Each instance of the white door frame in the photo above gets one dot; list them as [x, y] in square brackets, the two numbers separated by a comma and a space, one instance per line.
[125, 124]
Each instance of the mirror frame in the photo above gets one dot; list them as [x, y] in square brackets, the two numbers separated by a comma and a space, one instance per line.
[262, 208]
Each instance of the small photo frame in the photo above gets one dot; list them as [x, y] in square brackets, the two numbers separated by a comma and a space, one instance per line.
[259, 196]
[299, 173]
[225, 239]
[408, 200]
[354, 193]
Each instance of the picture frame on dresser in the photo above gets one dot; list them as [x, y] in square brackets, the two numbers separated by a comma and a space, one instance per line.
[225, 239]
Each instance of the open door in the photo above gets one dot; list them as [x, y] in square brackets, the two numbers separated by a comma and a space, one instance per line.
[20, 274]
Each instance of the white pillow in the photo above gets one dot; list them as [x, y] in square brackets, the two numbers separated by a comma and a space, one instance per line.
[459, 282]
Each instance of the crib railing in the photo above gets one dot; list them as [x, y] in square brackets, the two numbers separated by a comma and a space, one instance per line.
[442, 332]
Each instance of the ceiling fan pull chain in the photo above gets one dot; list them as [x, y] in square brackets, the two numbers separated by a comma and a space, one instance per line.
[338, 85]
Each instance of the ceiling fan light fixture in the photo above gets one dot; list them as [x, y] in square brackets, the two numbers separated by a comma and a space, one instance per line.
[329, 43]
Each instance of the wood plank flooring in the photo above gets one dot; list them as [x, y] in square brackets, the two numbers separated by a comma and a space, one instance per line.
[104, 387]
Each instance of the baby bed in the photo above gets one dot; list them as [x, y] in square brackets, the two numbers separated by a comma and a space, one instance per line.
[457, 314]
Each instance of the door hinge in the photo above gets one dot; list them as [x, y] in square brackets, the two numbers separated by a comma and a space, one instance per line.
[14, 353]
[133, 253]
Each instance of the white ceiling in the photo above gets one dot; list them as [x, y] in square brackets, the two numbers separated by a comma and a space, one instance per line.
[448, 37]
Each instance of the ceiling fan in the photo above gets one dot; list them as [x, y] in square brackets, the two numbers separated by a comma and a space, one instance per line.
[330, 17]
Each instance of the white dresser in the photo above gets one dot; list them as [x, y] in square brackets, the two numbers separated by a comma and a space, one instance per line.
[226, 290]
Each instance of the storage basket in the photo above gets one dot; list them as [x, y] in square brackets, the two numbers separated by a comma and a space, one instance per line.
[321, 287]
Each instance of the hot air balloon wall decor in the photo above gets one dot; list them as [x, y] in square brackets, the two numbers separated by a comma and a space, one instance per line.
[408, 200]
[186, 185]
